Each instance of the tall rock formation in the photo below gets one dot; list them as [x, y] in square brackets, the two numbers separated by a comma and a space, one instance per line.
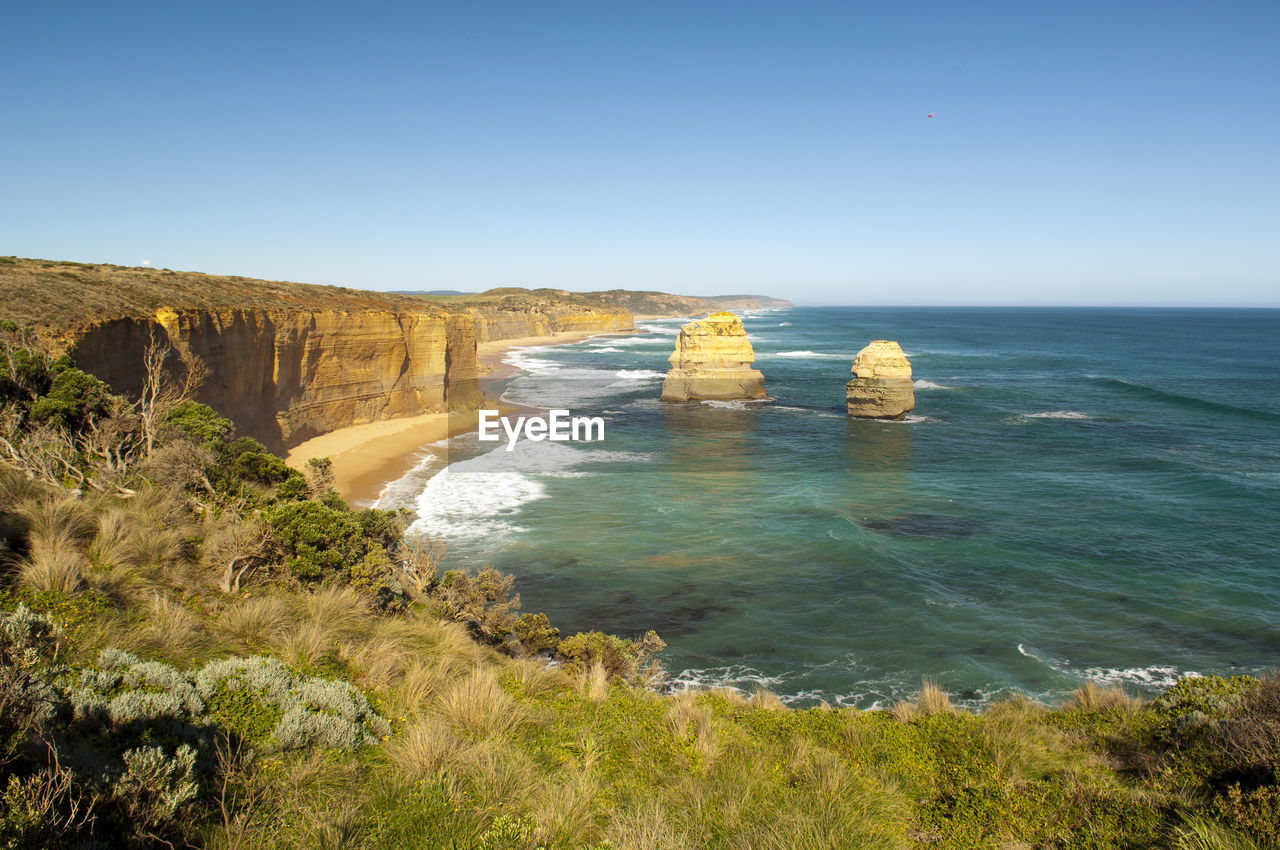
[712, 360]
[881, 387]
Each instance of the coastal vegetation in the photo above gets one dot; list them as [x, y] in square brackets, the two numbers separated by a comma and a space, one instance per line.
[201, 646]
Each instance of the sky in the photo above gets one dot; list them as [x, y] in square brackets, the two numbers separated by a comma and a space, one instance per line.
[1098, 153]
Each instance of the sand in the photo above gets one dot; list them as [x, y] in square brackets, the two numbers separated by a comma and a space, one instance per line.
[366, 457]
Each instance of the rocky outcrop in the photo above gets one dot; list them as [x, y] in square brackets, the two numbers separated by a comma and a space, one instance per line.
[284, 376]
[712, 360]
[881, 387]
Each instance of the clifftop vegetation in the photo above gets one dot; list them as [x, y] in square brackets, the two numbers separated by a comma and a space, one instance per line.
[67, 294]
[638, 302]
[200, 646]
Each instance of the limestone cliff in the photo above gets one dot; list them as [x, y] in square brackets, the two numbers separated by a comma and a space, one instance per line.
[284, 376]
[515, 321]
[712, 360]
[881, 387]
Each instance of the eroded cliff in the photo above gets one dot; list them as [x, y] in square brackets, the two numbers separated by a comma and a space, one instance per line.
[284, 376]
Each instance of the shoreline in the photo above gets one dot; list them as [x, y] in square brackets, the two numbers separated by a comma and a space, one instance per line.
[368, 456]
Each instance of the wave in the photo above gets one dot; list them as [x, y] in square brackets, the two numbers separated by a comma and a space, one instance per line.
[784, 324]
[1060, 414]
[802, 354]
[1191, 402]
[922, 384]
[606, 350]
[641, 340]
[640, 374]
[736, 677]
[734, 404]
[481, 496]
[1153, 676]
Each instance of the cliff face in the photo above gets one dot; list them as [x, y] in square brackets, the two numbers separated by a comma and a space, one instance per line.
[712, 360]
[881, 387]
[286, 376]
[507, 323]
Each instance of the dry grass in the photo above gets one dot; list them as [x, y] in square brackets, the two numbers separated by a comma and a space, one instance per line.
[929, 700]
[647, 827]
[341, 610]
[501, 775]
[254, 623]
[686, 717]
[171, 630]
[593, 683]
[305, 644]
[1090, 697]
[427, 681]
[536, 678]
[476, 706]
[565, 814]
[56, 568]
[763, 698]
[426, 747]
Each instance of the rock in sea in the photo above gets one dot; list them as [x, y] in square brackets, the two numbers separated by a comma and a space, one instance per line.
[712, 360]
[881, 387]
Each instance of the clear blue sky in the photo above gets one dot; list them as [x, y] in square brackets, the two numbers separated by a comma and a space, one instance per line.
[1082, 152]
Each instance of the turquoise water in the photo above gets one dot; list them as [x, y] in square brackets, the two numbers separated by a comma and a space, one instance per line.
[1079, 494]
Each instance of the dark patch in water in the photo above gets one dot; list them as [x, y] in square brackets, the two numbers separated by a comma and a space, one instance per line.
[677, 592]
[932, 526]
[968, 693]
[741, 593]
[978, 650]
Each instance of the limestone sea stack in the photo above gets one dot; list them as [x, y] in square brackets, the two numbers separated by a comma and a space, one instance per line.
[881, 387]
[712, 360]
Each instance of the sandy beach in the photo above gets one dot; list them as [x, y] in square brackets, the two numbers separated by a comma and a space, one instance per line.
[365, 457]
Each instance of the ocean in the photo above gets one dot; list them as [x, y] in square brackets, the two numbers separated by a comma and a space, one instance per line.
[1079, 494]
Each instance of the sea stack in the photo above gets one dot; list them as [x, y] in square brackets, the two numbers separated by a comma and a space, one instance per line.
[712, 360]
[881, 387]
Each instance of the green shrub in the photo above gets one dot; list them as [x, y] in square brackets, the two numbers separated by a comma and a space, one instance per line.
[620, 657]
[323, 544]
[73, 399]
[198, 421]
[28, 699]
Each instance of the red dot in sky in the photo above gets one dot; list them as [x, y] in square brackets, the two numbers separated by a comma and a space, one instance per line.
[931, 114]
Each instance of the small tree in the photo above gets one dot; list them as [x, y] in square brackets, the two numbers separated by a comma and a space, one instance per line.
[160, 393]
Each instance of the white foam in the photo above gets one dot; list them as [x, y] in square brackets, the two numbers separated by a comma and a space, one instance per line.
[735, 677]
[1155, 676]
[922, 384]
[734, 404]
[659, 329]
[480, 496]
[641, 340]
[1060, 414]
[802, 354]
[606, 350]
[640, 374]
[784, 324]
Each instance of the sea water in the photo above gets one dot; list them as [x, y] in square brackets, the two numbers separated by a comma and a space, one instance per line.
[1080, 494]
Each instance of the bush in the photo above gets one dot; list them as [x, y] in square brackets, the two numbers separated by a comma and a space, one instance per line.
[28, 699]
[619, 657]
[197, 421]
[322, 544]
[73, 399]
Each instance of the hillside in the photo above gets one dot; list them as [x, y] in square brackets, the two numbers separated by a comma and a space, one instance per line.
[640, 303]
[65, 294]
